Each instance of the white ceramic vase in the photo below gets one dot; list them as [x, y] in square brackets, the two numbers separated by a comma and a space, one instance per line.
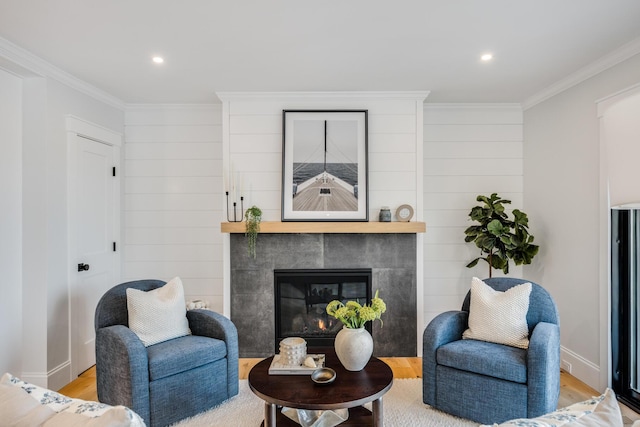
[354, 348]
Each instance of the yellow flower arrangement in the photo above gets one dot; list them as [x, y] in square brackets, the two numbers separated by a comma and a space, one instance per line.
[353, 315]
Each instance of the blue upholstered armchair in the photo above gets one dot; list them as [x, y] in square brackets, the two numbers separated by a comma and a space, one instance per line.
[171, 380]
[487, 382]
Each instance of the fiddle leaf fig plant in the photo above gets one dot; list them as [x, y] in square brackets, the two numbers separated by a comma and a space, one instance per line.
[253, 217]
[499, 238]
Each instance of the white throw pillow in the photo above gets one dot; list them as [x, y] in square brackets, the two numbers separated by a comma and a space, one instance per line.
[158, 315]
[601, 411]
[499, 317]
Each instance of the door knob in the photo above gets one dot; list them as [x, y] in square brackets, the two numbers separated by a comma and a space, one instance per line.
[83, 267]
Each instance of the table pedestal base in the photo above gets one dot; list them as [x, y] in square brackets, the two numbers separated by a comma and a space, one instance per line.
[358, 417]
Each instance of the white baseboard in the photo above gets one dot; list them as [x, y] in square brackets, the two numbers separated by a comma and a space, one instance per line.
[53, 380]
[60, 376]
[581, 368]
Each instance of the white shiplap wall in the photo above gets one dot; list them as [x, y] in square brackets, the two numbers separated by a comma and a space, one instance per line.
[252, 146]
[468, 150]
[177, 159]
[172, 197]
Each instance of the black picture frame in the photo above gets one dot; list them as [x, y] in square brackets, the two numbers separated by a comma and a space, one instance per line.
[325, 165]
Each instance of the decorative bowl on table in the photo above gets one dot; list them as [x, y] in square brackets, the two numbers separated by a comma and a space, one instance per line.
[293, 351]
[323, 376]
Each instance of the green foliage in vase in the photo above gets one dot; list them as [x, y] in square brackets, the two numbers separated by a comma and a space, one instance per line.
[499, 238]
[354, 315]
[253, 217]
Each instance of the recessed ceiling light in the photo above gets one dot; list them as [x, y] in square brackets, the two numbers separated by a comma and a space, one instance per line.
[487, 57]
[158, 59]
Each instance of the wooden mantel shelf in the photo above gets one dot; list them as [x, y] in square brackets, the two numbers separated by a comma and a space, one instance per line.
[328, 227]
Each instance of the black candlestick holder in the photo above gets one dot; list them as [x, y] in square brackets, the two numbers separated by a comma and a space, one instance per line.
[235, 209]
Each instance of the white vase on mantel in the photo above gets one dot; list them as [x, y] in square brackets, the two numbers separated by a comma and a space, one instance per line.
[354, 348]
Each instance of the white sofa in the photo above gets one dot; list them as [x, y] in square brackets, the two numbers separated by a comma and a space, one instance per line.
[24, 404]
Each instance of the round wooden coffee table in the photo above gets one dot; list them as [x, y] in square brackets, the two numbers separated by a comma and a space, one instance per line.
[349, 390]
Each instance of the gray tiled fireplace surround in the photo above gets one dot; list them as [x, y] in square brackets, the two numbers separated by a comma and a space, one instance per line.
[391, 257]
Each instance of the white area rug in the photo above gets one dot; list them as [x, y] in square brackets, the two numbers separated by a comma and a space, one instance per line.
[403, 407]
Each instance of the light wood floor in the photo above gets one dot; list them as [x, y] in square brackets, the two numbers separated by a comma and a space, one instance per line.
[572, 390]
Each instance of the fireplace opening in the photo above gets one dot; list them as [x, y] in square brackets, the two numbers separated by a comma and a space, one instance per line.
[301, 298]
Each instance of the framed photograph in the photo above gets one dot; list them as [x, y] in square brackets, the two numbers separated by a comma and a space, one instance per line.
[324, 165]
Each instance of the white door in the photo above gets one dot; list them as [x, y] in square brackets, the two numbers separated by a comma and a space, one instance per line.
[92, 230]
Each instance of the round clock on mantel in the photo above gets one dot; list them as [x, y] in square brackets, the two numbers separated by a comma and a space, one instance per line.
[404, 213]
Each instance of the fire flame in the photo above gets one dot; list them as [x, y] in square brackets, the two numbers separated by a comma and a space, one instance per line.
[321, 325]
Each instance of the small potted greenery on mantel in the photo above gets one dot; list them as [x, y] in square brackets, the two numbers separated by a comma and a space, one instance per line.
[253, 217]
[499, 238]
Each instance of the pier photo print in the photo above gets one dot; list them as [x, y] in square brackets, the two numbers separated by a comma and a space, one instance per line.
[324, 165]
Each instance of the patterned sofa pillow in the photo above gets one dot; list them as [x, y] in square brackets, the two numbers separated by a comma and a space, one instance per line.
[22, 403]
[601, 411]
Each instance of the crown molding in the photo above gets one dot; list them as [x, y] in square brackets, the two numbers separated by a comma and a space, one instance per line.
[25, 64]
[177, 107]
[615, 57]
[458, 105]
[350, 95]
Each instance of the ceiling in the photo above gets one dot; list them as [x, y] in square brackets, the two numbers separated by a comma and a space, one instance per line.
[211, 46]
